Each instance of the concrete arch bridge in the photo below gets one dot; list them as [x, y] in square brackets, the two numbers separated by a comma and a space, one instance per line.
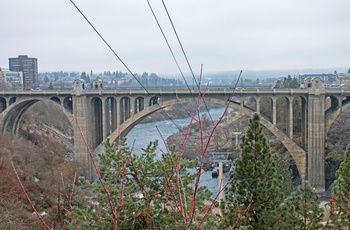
[102, 114]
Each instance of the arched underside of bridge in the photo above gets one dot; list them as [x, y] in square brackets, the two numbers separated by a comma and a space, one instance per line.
[11, 117]
[335, 114]
[298, 154]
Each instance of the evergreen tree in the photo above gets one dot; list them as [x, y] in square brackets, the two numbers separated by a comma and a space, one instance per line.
[302, 209]
[255, 178]
[340, 203]
[278, 85]
[50, 86]
[290, 83]
[145, 192]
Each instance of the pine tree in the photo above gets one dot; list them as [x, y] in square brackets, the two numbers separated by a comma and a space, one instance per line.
[50, 86]
[340, 203]
[255, 178]
[302, 209]
[145, 192]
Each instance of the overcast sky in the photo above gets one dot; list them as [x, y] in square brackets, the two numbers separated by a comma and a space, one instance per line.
[222, 35]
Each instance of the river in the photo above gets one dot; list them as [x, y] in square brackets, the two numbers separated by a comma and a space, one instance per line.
[140, 136]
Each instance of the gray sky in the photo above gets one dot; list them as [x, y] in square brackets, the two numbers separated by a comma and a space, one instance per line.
[222, 35]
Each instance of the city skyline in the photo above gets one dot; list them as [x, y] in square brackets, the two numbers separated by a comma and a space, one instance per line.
[223, 36]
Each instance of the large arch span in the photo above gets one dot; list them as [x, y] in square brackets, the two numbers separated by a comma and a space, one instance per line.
[298, 154]
[11, 117]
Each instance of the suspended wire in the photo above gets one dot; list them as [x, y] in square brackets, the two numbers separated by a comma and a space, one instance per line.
[188, 63]
[178, 39]
[162, 109]
[115, 54]
[166, 40]
[183, 51]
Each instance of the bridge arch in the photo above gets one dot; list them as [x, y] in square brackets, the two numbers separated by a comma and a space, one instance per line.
[124, 108]
[139, 104]
[3, 104]
[110, 116]
[96, 121]
[56, 99]
[11, 117]
[333, 112]
[66, 102]
[298, 154]
[154, 100]
[12, 100]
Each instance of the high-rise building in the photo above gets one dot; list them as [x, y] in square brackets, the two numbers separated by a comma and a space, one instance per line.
[28, 66]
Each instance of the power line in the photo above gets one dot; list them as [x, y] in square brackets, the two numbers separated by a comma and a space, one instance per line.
[166, 40]
[178, 39]
[92, 26]
[188, 63]
[115, 54]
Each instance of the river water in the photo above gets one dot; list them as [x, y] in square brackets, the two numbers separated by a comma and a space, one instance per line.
[140, 136]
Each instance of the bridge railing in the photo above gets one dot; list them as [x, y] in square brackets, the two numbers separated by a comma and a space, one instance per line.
[184, 91]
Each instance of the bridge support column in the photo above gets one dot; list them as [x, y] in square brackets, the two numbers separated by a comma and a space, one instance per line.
[274, 111]
[316, 139]
[114, 114]
[257, 105]
[339, 105]
[119, 115]
[304, 117]
[106, 118]
[289, 119]
[241, 101]
[81, 136]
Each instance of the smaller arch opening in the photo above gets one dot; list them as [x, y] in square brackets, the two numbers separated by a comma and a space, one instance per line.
[12, 100]
[154, 100]
[2, 104]
[68, 103]
[56, 99]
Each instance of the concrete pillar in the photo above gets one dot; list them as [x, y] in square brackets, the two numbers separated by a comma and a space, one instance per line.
[132, 108]
[340, 103]
[289, 118]
[127, 109]
[114, 114]
[257, 105]
[122, 110]
[241, 101]
[105, 118]
[82, 130]
[316, 142]
[274, 111]
[119, 113]
[304, 123]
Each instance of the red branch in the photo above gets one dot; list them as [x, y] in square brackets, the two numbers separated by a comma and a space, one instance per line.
[240, 216]
[70, 198]
[99, 178]
[28, 199]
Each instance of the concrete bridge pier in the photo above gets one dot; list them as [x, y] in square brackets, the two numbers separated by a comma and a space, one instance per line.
[81, 130]
[316, 133]
[289, 109]
[316, 145]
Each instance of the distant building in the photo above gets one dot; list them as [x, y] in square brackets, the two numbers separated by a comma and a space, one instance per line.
[28, 66]
[325, 78]
[10, 79]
